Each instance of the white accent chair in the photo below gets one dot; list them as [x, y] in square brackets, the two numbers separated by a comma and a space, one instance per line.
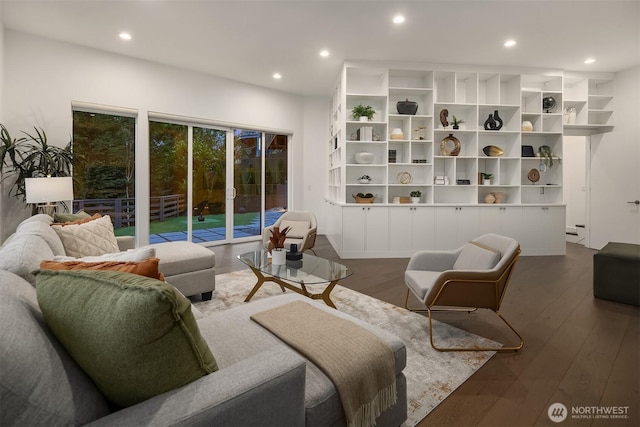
[304, 228]
[473, 276]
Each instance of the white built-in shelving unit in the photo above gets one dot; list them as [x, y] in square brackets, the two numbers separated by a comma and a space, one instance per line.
[471, 97]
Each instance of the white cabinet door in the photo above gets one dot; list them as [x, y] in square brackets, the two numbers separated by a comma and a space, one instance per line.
[365, 230]
[503, 220]
[353, 229]
[410, 229]
[455, 226]
[543, 230]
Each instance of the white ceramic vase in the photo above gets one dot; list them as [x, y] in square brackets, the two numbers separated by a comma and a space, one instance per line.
[278, 256]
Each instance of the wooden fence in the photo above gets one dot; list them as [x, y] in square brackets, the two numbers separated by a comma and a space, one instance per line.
[123, 212]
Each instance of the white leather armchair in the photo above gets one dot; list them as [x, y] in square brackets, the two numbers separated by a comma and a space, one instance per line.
[304, 227]
[473, 276]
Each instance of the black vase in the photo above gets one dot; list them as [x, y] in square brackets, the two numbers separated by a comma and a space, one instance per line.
[490, 123]
[498, 120]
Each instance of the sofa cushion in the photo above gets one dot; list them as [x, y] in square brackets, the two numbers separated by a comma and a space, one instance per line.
[244, 338]
[40, 384]
[95, 237]
[134, 336]
[475, 256]
[37, 217]
[297, 229]
[183, 257]
[42, 229]
[147, 267]
[66, 216]
[23, 254]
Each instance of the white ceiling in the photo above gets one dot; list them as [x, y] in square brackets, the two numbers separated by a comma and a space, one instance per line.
[250, 40]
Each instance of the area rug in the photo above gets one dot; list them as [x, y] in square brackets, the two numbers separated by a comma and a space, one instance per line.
[431, 375]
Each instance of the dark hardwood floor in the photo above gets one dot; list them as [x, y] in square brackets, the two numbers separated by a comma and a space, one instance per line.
[579, 351]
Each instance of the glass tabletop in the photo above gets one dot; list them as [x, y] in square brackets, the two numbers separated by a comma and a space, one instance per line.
[309, 270]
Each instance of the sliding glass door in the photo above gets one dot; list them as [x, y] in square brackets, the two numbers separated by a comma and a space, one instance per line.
[215, 185]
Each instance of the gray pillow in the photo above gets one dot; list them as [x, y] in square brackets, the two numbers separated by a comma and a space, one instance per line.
[476, 257]
[41, 229]
[40, 385]
[23, 254]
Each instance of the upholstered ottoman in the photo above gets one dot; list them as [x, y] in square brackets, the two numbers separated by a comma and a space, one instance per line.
[616, 273]
[188, 266]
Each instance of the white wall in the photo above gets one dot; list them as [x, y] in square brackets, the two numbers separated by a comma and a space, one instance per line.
[45, 76]
[615, 169]
[316, 136]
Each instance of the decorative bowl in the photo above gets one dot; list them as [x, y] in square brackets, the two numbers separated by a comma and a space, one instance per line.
[363, 157]
[407, 107]
[364, 181]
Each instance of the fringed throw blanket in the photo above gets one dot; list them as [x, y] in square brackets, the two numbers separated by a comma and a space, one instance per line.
[361, 366]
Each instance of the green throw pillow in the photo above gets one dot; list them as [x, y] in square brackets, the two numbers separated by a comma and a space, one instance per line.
[66, 217]
[134, 336]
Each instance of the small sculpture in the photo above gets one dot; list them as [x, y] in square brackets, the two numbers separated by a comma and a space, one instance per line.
[533, 175]
[444, 113]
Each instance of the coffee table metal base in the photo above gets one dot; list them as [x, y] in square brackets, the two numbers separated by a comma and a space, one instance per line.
[302, 290]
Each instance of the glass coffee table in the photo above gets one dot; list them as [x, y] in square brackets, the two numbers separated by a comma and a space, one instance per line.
[297, 276]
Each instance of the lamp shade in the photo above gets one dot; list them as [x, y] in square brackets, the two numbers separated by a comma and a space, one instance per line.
[50, 189]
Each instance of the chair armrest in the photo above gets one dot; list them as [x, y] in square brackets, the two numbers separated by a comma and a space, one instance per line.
[266, 234]
[309, 240]
[126, 242]
[433, 260]
[266, 389]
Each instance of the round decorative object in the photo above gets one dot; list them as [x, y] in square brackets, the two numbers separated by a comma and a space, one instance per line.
[404, 178]
[450, 146]
[527, 126]
[534, 175]
[364, 181]
[490, 198]
[407, 107]
[499, 196]
[493, 151]
[364, 198]
[363, 157]
[548, 103]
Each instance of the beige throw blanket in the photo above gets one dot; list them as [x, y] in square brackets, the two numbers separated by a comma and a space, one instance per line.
[361, 366]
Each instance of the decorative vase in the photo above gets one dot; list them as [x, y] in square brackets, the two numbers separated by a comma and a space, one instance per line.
[527, 126]
[450, 146]
[548, 103]
[397, 133]
[364, 118]
[498, 120]
[407, 107]
[278, 256]
[415, 200]
[490, 123]
[486, 181]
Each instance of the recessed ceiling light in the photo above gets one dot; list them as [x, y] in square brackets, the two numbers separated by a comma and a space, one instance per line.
[125, 36]
[589, 61]
[510, 43]
[277, 76]
[324, 53]
[398, 19]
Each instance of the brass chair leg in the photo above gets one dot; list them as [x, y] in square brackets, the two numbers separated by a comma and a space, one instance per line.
[501, 349]
[430, 310]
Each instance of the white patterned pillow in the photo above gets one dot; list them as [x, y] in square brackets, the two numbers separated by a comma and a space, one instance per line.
[136, 255]
[89, 239]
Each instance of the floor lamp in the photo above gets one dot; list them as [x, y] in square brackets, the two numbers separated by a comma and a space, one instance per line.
[46, 192]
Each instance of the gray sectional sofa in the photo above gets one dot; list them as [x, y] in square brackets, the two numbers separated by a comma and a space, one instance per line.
[260, 382]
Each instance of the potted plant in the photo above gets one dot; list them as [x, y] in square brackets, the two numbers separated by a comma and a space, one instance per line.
[486, 178]
[362, 113]
[415, 196]
[31, 156]
[364, 179]
[456, 122]
[276, 245]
